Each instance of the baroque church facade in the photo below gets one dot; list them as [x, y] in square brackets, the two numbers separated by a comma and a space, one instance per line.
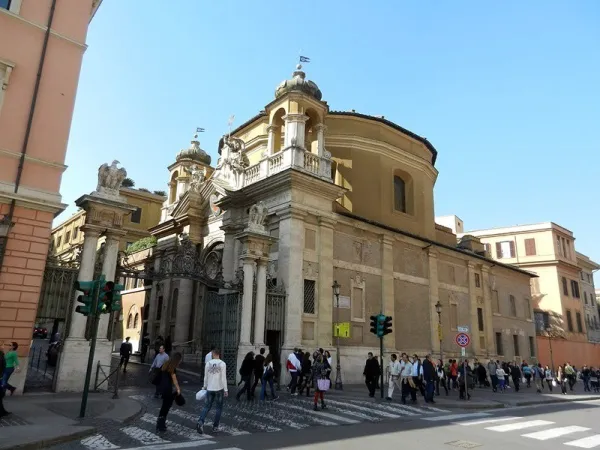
[302, 196]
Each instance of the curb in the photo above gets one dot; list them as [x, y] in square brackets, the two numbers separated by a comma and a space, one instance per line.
[556, 401]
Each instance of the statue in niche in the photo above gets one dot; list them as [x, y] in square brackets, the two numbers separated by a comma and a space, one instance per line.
[110, 178]
[256, 217]
[232, 162]
[197, 177]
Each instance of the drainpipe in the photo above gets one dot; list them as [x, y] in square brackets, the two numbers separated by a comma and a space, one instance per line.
[34, 98]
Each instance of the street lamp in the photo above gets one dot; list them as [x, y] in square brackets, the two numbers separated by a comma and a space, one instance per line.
[338, 367]
[438, 309]
[548, 330]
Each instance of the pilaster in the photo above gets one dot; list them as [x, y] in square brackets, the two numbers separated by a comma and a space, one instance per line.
[271, 139]
[433, 299]
[487, 273]
[387, 286]
[320, 128]
[324, 298]
[248, 267]
[474, 349]
[260, 302]
[184, 310]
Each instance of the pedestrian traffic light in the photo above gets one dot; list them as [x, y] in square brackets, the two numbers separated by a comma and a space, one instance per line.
[87, 289]
[387, 325]
[380, 319]
[374, 320]
[116, 297]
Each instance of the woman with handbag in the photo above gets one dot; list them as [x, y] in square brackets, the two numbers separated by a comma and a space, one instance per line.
[320, 370]
[169, 388]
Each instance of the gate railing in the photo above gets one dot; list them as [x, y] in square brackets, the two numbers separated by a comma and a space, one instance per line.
[102, 377]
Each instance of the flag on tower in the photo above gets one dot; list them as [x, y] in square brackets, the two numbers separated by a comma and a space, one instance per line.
[304, 59]
[199, 130]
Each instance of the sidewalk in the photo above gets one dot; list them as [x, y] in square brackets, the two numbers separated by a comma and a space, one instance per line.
[42, 420]
[482, 398]
[192, 370]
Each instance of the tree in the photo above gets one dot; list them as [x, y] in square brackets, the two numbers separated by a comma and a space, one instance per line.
[128, 183]
[142, 244]
[144, 190]
[161, 193]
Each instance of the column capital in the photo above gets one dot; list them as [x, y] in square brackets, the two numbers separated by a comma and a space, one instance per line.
[320, 128]
[471, 265]
[432, 252]
[262, 262]
[290, 213]
[327, 222]
[115, 235]
[248, 259]
[272, 128]
[295, 117]
[92, 230]
[386, 240]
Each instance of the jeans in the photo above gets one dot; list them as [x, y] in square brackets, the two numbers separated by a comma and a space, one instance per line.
[7, 373]
[246, 388]
[211, 397]
[494, 382]
[586, 384]
[294, 382]
[429, 389]
[167, 402]
[441, 381]
[371, 383]
[263, 388]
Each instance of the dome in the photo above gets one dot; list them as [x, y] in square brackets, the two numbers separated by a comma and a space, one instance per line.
[298, 83]
[194, 153]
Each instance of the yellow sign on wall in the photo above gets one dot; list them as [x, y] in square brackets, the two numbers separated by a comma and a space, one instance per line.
[341, 329]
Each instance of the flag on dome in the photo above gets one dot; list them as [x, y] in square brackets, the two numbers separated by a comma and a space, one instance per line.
[199, 130]
[304, 59]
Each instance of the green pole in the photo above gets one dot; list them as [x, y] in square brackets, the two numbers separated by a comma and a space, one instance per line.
[95, 319]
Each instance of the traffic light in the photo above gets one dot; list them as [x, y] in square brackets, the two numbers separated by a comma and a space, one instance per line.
[86, 298]
[387, 325]
[105, 296]
[380, 319]
[374, 320]
[116, 297]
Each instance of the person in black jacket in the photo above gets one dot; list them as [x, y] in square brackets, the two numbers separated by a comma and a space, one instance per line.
[371, 373]
[3, 412]
[305, 379]
[429, 379]
[259, 368]
[246, 371]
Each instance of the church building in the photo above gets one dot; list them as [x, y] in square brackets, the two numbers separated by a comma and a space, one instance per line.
[302, 197]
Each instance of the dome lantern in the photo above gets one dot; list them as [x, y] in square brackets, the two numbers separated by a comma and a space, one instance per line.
[194, 153]
[299, 83]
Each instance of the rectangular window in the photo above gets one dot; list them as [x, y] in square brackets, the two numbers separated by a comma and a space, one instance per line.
[505, 249]
[58, 241]
[495, 302]
[575, 288]
[542, 321]
[516, 344]
[453, 316]
[579, 323]
[567, 248]
[5, 4]
[480, 319]
[159, 308]
[309, 296]
[68, 237]
[581, 276]
[499, 347]
[75, 232]
[559, 246]
[358, 303]
[569, 321]
[585, 297]
[532, 346]
[527, 308]
[488, 250]
[399, 194]
[136, 216]
[565, 286]
[513, 305]
[530, 247]
[477, 280]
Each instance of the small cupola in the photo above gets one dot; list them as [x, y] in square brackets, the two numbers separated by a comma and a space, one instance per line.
[299, 83]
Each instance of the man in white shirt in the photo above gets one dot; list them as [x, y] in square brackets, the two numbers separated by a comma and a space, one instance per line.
[393, 374]
[215, 383]
[406, 371]
[293, 365]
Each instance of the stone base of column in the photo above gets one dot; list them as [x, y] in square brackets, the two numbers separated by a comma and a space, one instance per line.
[243, 350]
[72, 366]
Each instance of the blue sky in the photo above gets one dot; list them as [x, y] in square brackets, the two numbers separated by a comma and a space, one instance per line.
[507, 92]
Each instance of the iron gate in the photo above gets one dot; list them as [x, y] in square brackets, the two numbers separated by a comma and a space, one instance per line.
[221, 328]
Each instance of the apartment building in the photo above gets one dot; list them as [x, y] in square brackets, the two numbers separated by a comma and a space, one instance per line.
[588, 293]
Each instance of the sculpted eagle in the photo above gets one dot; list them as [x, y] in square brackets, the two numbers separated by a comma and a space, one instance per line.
[111, 177]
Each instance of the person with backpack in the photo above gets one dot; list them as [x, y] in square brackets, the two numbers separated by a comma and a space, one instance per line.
[267, 378]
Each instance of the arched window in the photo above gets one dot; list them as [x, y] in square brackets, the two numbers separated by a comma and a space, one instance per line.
[399, 194]
[174, 299]
[136, 320]
[173, 187]
[129, 320]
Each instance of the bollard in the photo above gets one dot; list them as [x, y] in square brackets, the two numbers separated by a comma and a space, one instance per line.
[116, 391]
[96, 380]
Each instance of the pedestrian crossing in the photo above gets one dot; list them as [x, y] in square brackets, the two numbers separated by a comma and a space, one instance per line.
[245, 418]
[536, 429]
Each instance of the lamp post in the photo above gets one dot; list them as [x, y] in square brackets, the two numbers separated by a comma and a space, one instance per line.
[338, 367]
[438, 309]
[548, 330]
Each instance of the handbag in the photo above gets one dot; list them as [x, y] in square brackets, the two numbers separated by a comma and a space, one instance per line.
[323, 384]
[179, 400]
[201, 395]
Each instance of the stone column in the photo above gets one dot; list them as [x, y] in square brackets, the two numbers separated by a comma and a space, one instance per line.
[229, 262]
[260, 302]
[247, 302]
[86, 273]
[433, 299]
[271, 139]
[474, 349]
[387, 288]
[291, 250]
[153, 302]
[321, 139]
[325, 300]
[184, 310]
[295, 129]
[109, 267]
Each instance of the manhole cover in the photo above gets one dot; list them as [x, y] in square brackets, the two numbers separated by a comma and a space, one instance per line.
[464, 444]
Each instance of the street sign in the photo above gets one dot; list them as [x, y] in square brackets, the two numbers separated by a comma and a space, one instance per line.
[463, 340]
[463, 351]
[464, 329]
[342, 329]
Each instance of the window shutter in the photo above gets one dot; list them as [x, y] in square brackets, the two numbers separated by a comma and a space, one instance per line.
[530, 249]
[498, 250]
[512, 248]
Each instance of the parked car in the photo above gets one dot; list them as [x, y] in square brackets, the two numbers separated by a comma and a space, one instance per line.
[39, 332]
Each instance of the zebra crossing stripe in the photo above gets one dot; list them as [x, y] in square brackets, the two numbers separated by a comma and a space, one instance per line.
[225, 428]
[389, 407]
[520, 425]
[364, 409]
[587, 442]
[280, 420]
[349, 412]
[253, 423]
[555, 432]
[481, 422]
[455, 416]
[181, 430]
[413, 409]
[98, 442]
[177, 445]
[433, 408]
[321, 414]
[144, 436]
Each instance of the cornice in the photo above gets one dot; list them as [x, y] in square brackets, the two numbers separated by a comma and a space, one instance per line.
[31, 159]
